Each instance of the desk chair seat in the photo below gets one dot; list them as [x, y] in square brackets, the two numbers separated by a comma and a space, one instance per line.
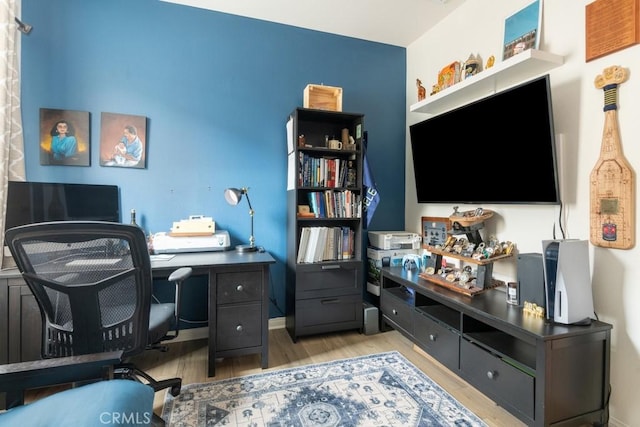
[105, 402]
[160, 321]
[93, 284]
[112, 402]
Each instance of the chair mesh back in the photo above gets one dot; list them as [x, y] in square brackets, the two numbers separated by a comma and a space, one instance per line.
[92, 282]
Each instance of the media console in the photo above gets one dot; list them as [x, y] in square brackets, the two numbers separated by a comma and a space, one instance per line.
[545, 374]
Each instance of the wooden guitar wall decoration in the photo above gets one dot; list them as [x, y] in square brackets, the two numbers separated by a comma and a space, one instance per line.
[612, 178]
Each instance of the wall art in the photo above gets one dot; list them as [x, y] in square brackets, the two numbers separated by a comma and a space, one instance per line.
[123, 140]
[522, 30]
[434, 230]
[64, 137]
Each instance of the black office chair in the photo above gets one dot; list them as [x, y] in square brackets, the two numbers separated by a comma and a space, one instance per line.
[93, 284]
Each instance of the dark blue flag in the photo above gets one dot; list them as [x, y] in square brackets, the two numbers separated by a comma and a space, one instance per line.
[371, 196]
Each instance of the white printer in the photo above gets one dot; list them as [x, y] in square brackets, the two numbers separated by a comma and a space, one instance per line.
[394, 240]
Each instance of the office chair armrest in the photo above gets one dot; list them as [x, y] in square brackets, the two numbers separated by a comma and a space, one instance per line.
[178, 277]
[180, 274]
[16, 378]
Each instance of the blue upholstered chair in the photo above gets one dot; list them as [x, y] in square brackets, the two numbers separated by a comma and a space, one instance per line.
[100, 401]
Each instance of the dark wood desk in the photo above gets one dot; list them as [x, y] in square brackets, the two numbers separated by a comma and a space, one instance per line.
[238, 305]
[238, 300]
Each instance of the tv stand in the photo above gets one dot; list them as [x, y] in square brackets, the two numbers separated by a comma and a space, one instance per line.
[545, 374]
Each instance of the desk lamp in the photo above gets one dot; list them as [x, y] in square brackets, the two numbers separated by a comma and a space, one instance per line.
[233, 197]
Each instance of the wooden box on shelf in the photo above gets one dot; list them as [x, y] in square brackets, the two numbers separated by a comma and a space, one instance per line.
[322, 97]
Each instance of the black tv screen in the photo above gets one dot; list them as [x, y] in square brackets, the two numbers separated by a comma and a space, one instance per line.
[31, 202]
[497, 150]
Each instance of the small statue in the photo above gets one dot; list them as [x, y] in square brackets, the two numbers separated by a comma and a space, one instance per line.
[472, 66]
[491, 61]
[422, 92]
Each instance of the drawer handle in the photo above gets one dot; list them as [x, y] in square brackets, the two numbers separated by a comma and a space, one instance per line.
[330, 301]
[432, 337]
[239, 288]
[492, 375]
[239, 328]
[330, 267]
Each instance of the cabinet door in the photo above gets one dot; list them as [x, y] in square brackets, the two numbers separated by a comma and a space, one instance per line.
[25, 324]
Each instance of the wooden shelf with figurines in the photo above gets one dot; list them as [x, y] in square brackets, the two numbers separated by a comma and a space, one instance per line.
[493, 77]
[470, 249]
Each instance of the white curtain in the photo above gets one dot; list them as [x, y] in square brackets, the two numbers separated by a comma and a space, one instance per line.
[12, 153]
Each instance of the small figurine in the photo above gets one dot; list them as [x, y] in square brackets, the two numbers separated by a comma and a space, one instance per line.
[472, 66]
[422, 92]
[490, 61]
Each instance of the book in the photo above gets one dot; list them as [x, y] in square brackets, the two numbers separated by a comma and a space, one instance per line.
[346, 242]
[304, 241]
[311, 244]
[320, 244]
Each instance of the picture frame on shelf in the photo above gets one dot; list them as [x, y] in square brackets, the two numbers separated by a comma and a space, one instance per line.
[434, 230]
[449, 75]
[522, 30]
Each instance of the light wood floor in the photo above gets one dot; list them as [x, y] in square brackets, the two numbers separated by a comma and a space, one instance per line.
[188, 360]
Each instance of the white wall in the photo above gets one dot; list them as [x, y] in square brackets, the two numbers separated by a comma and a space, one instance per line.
[477, 27]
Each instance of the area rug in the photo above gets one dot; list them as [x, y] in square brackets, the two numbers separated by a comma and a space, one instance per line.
[382, 389]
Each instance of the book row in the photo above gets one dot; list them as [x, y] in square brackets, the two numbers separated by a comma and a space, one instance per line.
[335, 204]
[319, 244]
[325, 172]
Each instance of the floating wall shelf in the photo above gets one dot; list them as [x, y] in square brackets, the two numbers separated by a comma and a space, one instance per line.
[509, 72]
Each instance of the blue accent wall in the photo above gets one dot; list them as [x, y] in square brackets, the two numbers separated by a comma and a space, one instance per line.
[217, 90]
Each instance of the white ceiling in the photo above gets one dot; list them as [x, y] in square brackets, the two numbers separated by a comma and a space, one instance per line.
[395, 22]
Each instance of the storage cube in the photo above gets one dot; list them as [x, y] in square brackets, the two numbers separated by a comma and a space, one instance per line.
[322, 97]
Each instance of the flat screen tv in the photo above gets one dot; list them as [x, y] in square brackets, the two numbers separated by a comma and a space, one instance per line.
[30, 202]
[498, 150]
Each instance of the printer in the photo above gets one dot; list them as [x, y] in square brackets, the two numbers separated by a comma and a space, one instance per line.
[196, 234]
[164, 243]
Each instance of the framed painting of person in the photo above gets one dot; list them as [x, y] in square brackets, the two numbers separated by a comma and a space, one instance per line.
[123, 140]
[64, 137]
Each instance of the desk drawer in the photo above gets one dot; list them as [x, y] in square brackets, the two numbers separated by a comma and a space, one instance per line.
[397, 310]
[322, 312]
[327, 280]
[239, 326]
[439, 341]
[497, 379]
[234, 287]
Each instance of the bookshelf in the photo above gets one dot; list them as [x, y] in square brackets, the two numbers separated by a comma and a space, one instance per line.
[324, 223]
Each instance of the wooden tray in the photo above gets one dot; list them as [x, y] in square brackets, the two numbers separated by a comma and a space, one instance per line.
[454, 255]
[467, 218]
[435, 279]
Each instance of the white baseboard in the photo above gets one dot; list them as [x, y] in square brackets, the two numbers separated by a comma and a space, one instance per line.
[203, 333]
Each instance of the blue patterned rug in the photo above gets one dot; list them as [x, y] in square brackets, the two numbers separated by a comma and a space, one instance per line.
[377, 390]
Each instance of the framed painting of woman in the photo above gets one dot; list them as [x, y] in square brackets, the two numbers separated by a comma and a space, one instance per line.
[64, 137]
